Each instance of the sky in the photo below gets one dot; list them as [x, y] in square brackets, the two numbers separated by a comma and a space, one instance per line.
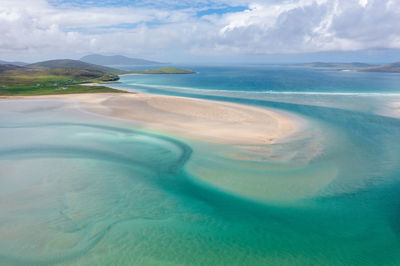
[259, 31]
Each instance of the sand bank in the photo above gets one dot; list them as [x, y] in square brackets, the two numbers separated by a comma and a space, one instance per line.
[211, 120]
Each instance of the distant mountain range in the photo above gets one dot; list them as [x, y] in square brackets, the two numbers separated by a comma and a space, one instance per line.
[68, 63]
[325, 64]
[12, 63]
[356, 66]
[70, 66]
[6, 67]
[390, 68]
[116, 60]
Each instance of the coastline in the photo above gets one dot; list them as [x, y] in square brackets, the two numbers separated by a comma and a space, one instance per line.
[215, 121]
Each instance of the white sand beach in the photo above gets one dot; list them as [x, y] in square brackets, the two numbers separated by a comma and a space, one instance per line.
[222, 122]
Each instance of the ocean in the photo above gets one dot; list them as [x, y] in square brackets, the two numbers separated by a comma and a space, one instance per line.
[79, 189]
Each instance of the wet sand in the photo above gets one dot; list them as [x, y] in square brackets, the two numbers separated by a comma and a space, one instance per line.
[210, 120]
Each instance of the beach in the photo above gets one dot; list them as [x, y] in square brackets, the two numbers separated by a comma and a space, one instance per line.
[221, 122]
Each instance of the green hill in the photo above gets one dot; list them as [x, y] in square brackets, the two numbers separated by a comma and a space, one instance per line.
[45, 81]
[64, 76]
[68, 63]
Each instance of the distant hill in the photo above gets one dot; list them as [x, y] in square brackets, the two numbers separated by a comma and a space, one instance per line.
[116, 60]
[165, 70]
[12, 63]
[390, 68]
[68, 63]
[7, 67]
[15, 80]
[324, 64]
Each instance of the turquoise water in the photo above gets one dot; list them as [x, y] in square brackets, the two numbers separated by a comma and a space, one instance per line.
[270, 79]
[83, 189]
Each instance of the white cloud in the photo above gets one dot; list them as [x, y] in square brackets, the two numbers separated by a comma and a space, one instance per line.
[291, 26]
[363, 3]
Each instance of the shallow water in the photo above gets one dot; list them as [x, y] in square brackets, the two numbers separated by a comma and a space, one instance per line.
[82, 189]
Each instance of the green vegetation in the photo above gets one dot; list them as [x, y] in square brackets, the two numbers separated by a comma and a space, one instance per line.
[68, 63]
[30, 91]
[164, 70]
[63, 77]
[27, 81]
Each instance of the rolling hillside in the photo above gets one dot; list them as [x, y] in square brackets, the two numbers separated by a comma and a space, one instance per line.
[16, 80]
[68, 63]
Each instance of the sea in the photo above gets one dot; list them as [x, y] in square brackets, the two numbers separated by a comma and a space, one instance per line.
[81, 189]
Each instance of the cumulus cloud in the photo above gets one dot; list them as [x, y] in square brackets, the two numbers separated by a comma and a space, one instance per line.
[175, 27]
[306, 26]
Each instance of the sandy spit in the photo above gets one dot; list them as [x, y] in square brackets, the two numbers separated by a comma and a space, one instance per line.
[210, 120]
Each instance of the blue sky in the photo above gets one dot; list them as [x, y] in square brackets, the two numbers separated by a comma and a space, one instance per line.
[202, 30]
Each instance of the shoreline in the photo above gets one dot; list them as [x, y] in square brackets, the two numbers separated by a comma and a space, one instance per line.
[215, 121]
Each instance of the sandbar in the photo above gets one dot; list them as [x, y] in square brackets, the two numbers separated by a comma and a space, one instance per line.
[215, 121]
